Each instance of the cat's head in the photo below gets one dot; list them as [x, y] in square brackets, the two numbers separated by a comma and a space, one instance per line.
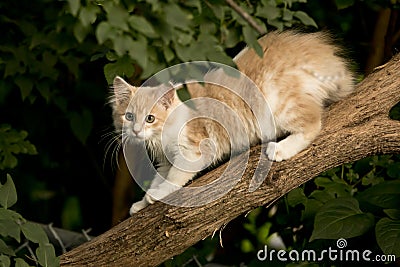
[141, 111]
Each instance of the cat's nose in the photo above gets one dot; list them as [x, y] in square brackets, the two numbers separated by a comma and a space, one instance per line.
[136, 129]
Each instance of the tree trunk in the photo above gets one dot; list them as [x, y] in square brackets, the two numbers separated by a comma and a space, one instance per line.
[354, 128]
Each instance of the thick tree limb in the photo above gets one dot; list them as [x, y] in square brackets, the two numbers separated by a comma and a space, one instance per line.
[354, 128]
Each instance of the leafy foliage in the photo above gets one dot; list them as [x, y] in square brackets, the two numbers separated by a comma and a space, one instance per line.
[358, 202]
[12, 225]
[12, 143]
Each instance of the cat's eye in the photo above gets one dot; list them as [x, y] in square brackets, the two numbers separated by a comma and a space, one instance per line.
[129, 116]
[150, 118]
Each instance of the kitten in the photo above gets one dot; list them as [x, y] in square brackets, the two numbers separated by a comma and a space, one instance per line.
[298, 76]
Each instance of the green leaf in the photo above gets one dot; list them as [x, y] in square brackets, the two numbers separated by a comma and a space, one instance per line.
[277, 23]
[263, 232]
[372, 179]
[9, 227]
[80, 31]
[34, 232]
[250, 36]
[193, 3]
[305, 19]
[44, 90]
[393, 213]
[341, 218]
[219, 11]
[168, 54]
[49, 58]
[88, 15]
[104, 31]
[232, 37]
[183, 52]
[122, 67]
[388, 236]
[385, 195]
[220, 57]
[4, 249]
[296, 196]
[176, 16]
[184, 39]
[47, 256]
[246, 246]
[117, 16]
[142, 25]
[13, 67]
[393, 170]
[269, 12]
[72, 62]
[25, 85]
[20, 263]
[138, 52]
[322, 195]
[312, 206]
[8, 193]
[342, 4]
[334, 187]
[122, 44]
[71, 216]
[207, 27]
[10, 215]
[152, 68]
[74, 6]
[4, 261]
[81, 124]
[287, 15]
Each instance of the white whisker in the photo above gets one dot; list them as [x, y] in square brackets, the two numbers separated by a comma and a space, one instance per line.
[112, 141]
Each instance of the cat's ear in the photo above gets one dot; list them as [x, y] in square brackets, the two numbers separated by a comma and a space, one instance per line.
[168, 98]
[123, 91]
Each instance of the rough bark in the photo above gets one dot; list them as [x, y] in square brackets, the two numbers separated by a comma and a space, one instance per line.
[354, 128]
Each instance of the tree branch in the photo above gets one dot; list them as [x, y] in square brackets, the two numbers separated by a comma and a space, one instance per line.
[246, 16]
[354, 128]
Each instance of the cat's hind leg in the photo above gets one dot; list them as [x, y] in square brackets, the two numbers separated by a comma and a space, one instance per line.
[303, 125]
[288, 147]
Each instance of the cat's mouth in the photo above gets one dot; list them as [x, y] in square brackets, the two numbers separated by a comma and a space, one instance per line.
[134, 136]
[137, 135]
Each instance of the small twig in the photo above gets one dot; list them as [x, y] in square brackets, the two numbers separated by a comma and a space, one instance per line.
[188, 262]
[85, 233]
[32, 254]
[57, 237]
[246, 16]
[213, 234]
[197, 261]
[220, 235]
[25, 244]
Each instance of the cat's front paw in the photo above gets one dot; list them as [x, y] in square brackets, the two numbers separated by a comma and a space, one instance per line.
[137, 206]
[275, 152]
[160, 192]
[153, 195]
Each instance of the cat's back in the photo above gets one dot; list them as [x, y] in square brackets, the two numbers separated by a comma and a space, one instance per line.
[310, 62]
[289, 50]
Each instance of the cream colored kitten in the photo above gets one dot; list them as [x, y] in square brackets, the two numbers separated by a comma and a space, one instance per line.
[298, 75]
